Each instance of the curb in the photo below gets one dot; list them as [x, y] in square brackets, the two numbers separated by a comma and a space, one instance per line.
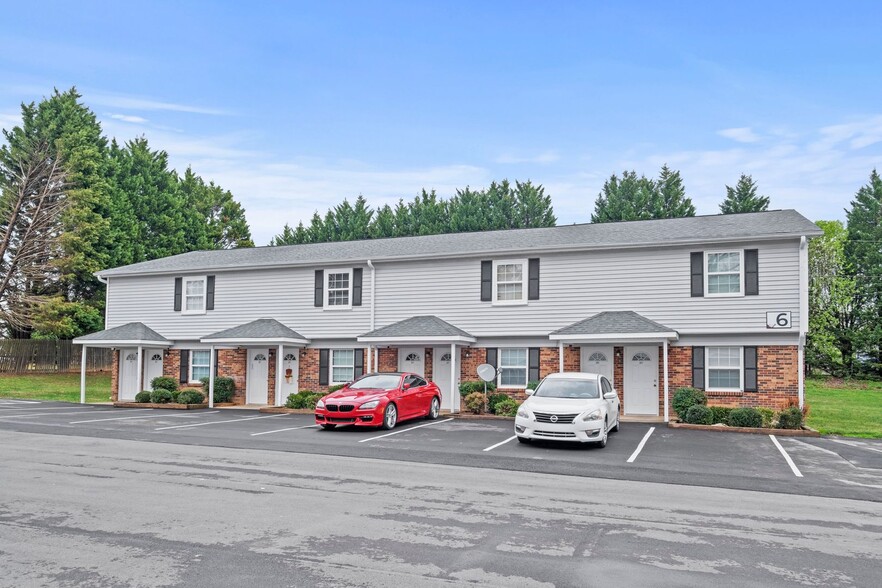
[477, 417]
[283, 410]
[750, 430]
[168, 405]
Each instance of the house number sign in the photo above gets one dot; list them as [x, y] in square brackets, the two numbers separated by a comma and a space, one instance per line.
[778, 320]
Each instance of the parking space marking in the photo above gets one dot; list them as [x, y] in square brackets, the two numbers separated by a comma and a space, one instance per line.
[281, 430]
[640, 446]
[219, 422]
[792, 465]
[2, 402]
[492, 447]
[405, 430]
[145, 416]
[855, 445]
[78, 407]
[15, 416]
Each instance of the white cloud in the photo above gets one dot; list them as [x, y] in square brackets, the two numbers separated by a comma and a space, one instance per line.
[140, 103]
[129, 118]
[740, 134]
[545, 157]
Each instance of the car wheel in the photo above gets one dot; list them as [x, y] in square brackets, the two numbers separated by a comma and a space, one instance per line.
[605, 434]
[390, 416]
[434, 409]
[329, 427]
[523, 440]
[618, 424]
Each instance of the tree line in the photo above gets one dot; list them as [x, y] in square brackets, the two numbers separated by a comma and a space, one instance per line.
[73, 203]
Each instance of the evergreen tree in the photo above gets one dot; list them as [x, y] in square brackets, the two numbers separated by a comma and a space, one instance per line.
[743, 197]
[384, 223]
[671, 200]
[626, 199]
[286, 237]
[226, 225]
[468, 211]
[532, 207]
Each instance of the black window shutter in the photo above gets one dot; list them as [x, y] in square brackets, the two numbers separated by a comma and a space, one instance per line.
[750, 384]
[491, 357]
[486, 281]
[323, 367]
[185, 366]
[359, 362]
[356, 286]
[751, 272]
[533, 291]
[216, 361]
[209, 293]
[179, 285]
[319, 288]
[697, 272]
[533, 363]
[697, 368]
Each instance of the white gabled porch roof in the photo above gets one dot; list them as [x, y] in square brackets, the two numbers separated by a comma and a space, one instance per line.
[615, 327]
[418, 330]
[127, 335]
[265, 331]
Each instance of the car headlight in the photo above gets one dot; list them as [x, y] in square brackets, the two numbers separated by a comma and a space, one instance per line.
[524, 413]
[369, 405]
[320, 404]
[594, 415]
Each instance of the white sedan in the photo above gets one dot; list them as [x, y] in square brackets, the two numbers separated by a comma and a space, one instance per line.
[569, 407]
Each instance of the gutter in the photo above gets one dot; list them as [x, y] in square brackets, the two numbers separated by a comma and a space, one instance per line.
[373, 293]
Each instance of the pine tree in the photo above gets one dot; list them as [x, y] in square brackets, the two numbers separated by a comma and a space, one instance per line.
[670, 196]
[743, 197]
[226, 225]
[631, 198]
[532, 207]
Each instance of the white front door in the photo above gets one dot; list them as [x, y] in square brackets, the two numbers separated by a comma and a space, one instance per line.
[641, 380]
[598, 360]
[441, 363]
[412, 359]
[256, 385]
[152, 366]
[128, 374]
[290, 372]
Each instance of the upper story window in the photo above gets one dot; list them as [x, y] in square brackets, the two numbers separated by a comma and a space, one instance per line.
[194, 295]
[513, 368]
[725, 273]
[510, 281]
[339, 289]
[724, 368]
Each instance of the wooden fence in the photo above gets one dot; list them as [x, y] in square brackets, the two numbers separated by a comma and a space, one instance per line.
[28, 356]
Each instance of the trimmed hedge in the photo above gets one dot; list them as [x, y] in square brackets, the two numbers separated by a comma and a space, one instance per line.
[224, 388]
[164, 383]
[790, 418]
[699, 414]
[494, 399]
[162, 396]
[720, 414]
[471, 386]
[335, 388]
[303, 399]
[143, 396]
[768, 416]
[746, 417]
[685, 398]
[190, 397]
[474, 402]
[507, 407]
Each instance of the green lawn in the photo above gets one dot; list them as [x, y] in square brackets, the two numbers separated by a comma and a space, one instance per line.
[63, 387]
[845, 407]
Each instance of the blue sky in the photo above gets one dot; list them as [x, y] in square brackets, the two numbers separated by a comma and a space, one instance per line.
[296, 106]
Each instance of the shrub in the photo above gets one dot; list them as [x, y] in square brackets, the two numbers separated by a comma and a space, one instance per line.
[507, 407]
[720, 414]
[745, 417]
[143, 396]
[191, 397]
[790, 418]
[533, 384]
[303, 399]
[224, 388]
[768, 416]
[161, 396]
[699, 414]
[494, 399]
[335, 388]
[684, 398]
[164, 383]
[475, 402]
[466, 388]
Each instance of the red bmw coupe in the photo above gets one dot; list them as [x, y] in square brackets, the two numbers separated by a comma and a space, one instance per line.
[379, 400]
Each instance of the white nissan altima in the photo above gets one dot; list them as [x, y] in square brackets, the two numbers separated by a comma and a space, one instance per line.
[569, 407]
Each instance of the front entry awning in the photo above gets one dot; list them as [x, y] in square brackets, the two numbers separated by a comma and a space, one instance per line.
[264, 331]
[127, 335]
[615, 327]
[418, 330]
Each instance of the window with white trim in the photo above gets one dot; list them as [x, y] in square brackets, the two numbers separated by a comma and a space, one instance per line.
[513, 368]
[194, 296]
[342, 366]
[724, 368]
[725, 273]
[510, 281]
[338, 289]
[200, 364]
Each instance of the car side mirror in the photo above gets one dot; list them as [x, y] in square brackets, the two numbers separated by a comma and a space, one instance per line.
[529, 391]
[611, 395]
[405, 386]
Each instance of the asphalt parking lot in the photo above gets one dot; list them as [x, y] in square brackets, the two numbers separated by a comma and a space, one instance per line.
[833, 467]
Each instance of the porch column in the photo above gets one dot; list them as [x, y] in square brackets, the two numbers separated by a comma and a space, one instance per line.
[454, 389]
[370, 360]
[211, 368]
[666, 379]
[140, 369]
[800, 362]
[83, 377]
[560, 352]
[279, 375]
[377, 358]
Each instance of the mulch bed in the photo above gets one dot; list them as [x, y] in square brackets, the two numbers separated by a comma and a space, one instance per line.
[755, 431]
[167, 405]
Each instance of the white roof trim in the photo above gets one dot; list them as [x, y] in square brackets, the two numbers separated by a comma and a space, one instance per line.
[575, 338]
[418, 339]
[255, 341]
[122, 343]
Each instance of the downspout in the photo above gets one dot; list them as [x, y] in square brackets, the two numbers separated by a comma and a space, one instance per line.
[803, 317]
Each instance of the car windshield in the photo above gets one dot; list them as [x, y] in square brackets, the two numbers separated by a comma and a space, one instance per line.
[568, 389]
[376, 382]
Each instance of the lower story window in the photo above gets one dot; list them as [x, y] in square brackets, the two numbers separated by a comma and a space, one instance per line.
[724, 368]
[199, 364]
[513, 365]
[342, 366]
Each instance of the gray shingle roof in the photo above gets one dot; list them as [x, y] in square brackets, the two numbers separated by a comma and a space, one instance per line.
[713, 228]
[614, 323]
[130, 333]
[418, 326]
[265, 328]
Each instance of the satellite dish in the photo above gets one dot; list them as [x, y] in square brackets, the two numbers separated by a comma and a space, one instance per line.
[486, 372]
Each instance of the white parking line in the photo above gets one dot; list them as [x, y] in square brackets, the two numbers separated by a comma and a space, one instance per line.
[792, 465]
[404, 430]
[281, 430]
[77, 407]
[640, 447]
[857, 445]
[492, 447]
[218, 422]
[15, 416]
[19, 402]
[146, 416]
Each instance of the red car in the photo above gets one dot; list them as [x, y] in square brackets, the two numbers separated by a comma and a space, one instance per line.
[379, 400]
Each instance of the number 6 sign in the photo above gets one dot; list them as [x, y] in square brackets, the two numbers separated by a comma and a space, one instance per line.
[778, 320]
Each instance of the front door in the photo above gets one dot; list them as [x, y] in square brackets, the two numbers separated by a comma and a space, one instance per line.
[412, 359]
[598, 360]
[256, 385]
[441, 360]
[290, 372]
[641, 380]
[152, 366]
[128, 374]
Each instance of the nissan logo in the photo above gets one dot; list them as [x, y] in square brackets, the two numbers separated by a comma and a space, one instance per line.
[553, 418]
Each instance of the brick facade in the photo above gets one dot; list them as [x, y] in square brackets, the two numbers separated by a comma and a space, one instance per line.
[114, 377]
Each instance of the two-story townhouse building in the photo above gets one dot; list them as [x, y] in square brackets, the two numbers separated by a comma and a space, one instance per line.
[716, 302]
